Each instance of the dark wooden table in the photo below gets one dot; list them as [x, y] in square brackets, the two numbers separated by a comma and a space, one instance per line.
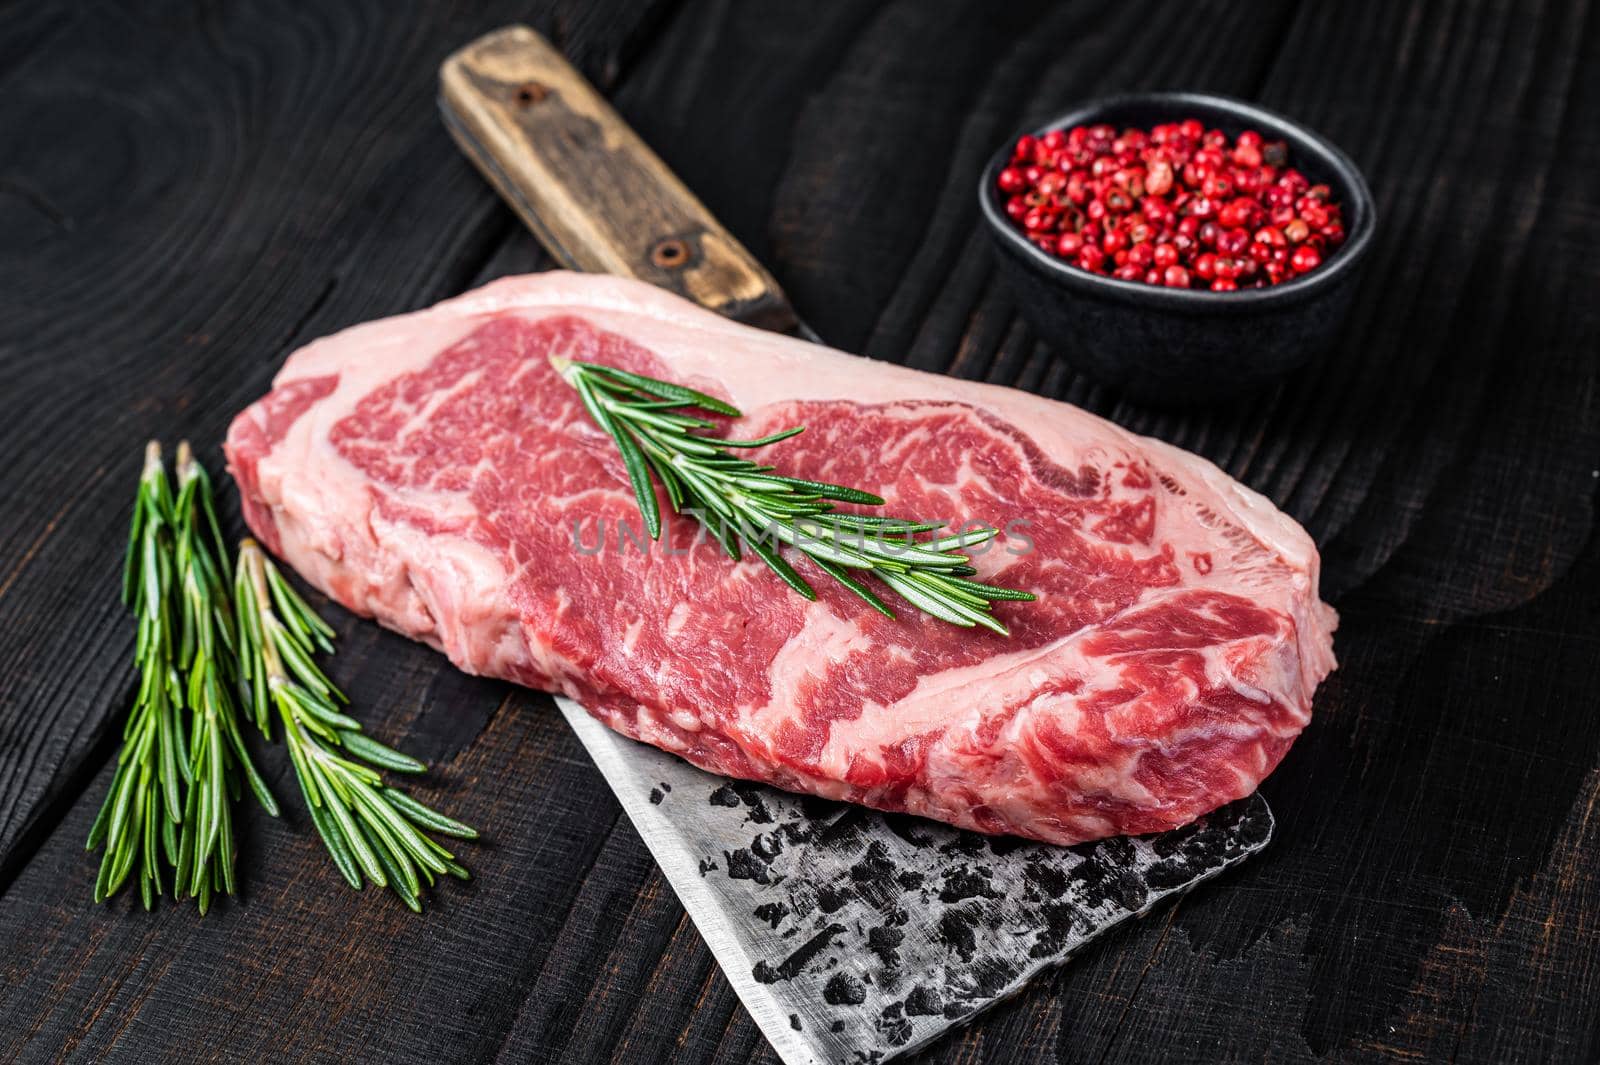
[188, 191]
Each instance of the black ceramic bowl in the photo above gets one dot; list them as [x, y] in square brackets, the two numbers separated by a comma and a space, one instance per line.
[1177, 346]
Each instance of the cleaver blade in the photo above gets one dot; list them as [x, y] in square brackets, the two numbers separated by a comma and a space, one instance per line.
[856, 936]
[851, 936]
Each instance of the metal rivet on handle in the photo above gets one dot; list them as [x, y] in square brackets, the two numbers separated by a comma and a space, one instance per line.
[530, 93]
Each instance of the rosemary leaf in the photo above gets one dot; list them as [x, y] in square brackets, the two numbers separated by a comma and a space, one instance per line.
[217, 757]
[144, 805]
[740, 501]
[372, 831]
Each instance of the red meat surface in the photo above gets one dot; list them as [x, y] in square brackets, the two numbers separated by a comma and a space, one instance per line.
[434, 472]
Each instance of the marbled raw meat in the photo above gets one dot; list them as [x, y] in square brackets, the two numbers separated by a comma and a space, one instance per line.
[432, 471]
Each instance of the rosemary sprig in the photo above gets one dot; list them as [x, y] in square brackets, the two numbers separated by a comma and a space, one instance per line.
[742, 502]
[138, 822]
[217, 756]
[368, 827]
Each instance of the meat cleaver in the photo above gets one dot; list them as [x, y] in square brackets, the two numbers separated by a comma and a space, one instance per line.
[851, 936]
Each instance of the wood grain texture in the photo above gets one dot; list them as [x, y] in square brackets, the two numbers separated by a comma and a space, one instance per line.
[188, 192]
[595, 194]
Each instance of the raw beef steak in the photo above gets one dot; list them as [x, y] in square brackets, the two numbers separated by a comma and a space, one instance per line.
[433, 471]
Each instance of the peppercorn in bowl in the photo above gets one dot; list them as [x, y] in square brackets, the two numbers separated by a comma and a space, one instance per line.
[1180, 247]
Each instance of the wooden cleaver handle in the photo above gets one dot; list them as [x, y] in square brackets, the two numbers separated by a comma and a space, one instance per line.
[590, 189]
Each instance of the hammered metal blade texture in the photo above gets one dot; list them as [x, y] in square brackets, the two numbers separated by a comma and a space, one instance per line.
[854, 936]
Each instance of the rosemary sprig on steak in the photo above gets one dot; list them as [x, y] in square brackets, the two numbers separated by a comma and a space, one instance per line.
[742, 502]
[369, 828]
[138, 822]
[217, 755]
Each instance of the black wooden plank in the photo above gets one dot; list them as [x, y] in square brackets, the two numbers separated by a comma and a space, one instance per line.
[178, 164]
[185, 194]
